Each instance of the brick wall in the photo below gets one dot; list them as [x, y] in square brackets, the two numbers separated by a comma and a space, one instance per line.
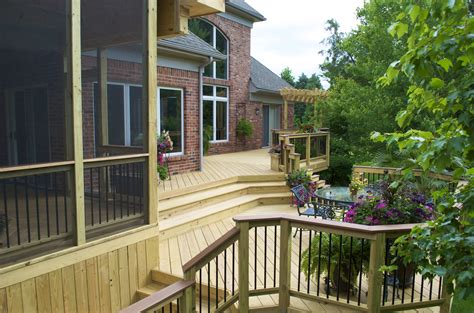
[128, 72]
[239, 75]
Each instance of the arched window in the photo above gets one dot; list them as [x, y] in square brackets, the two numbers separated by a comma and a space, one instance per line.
[214, 37]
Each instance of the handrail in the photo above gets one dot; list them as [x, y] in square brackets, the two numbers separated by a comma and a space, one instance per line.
[115, 160]
[214, 249]
[160, 298]
[35, 169]
[336, 227]
[395, 170]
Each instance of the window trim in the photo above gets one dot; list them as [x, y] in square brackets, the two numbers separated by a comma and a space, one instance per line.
[214, 100]
[158, 122]
[126, 118]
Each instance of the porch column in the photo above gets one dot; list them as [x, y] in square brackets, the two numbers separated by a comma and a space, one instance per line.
[74, 102]
[149, 101]
[285, 114]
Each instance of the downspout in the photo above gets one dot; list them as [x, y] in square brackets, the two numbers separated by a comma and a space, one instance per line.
[201, 121]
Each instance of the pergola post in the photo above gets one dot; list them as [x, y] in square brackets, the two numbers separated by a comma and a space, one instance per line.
[285, 114]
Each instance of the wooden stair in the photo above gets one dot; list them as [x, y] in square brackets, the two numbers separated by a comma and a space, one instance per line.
[206, 205]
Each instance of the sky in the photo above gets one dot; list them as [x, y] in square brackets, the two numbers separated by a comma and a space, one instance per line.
[292, 34]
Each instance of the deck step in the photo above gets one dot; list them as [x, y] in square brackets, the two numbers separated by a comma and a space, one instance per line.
[219, 183]
[180, 204]
[209, 214]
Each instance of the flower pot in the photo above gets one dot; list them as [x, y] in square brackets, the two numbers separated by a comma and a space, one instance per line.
[343, 283]
[405, 274]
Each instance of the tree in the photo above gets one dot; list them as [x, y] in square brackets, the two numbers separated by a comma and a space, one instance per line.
[287, 75]
[302, 109]
[439, 65]
[356, 106]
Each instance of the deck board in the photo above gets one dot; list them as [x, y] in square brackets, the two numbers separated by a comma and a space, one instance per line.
[219, 167]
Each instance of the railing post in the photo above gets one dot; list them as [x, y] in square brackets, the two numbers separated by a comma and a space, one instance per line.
[188, 301]
[285, 265]
[328, 148]
[375, 276]
[244, 267]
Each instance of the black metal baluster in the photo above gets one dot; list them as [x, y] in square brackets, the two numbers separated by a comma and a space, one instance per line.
[225, 275]
[99, 185]
[114, 191]
[91, 181]
[309, 263]
[328, 284]
[56, 202]
[27, 204]
[171, 307]
[350, 269]
[255, 262]
[15, 191]
[319, 262]
[413, 287]
[120, 189]
[5, 208]
[163, 310]
[274, 258]
[38, 223]
[142, 193]
[339, 268]
[127, 184]
[431, 289]
[209, 287]
[134, 188]
[404, 283]
[107, 168]
[360, 270]
[200, 290]
[421, 289]
[440, 286]
[65, 201]
[265, 259]
[217, 281]
[177, 306]
[233, 268]
[299, 258]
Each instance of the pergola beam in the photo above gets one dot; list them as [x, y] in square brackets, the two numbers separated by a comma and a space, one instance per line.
[305, 96]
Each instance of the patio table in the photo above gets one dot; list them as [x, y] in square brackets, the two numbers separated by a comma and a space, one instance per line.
[338, 195]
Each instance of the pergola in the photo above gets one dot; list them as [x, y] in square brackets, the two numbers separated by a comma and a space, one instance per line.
[307, 96]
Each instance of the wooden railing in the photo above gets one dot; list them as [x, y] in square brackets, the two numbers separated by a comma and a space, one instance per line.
[375, 173]
[174, 298]
[263, 255]
[306, 150]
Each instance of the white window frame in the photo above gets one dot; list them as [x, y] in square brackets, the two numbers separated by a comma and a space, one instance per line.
[214, 100]
[214, 45]
[126, 108]
[158, 112]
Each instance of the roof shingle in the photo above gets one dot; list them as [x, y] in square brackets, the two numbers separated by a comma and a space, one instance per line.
[263, 79]
[193, 44]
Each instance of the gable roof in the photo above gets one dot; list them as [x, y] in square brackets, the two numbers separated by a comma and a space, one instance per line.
[192, 44]
[244, 7]
[262, 79]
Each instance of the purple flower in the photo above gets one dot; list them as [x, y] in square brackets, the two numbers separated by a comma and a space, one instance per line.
[381, 205]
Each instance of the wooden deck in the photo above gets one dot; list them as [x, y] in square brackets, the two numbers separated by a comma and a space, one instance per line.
[176, 251]
[219, 167]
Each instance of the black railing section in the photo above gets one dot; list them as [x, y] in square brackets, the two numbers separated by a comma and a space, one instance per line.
[34, 208]
[113, 193]
[300, 146]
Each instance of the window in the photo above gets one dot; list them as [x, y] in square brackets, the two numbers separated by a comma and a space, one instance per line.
[213, 36]
[125, 118]
[216, 111]
[170, 116]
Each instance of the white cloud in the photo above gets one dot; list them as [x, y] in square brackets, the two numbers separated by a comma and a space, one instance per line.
[292, 34]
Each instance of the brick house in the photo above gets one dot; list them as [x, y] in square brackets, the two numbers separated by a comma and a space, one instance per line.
[207, 80]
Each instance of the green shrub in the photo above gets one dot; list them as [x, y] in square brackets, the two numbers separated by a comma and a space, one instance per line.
[163, 173]
[298, 177]
[339, 171]
[244, 128]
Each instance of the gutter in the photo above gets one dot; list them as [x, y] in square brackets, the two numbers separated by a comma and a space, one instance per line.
[201, 109]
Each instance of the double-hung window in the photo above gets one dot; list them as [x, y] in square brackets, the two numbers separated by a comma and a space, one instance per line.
[216, 111]
[125, 116]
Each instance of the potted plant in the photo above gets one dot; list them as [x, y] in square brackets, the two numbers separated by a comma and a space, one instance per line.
[326, 254]
[357, 184]
[165, 145]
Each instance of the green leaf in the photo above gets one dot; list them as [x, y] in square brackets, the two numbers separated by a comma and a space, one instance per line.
[402, 29]
[436, 83]
[414, 12]
[392, 73]
[445, 64]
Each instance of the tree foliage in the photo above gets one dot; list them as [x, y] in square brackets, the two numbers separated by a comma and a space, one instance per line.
[356, 107]
[287, 75]
[439, 65]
